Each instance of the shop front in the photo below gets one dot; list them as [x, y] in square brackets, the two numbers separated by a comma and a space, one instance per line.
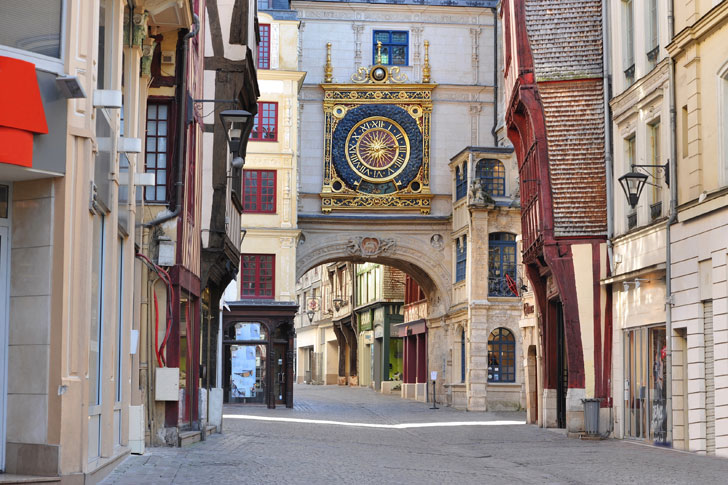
[258, 352]
[414, 345]
[645, 375]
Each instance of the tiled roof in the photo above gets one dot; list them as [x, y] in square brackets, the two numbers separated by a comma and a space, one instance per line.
[565, 38]
[574, 114]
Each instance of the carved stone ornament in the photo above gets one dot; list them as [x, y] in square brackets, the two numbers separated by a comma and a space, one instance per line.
[369, 246]
[437, 242]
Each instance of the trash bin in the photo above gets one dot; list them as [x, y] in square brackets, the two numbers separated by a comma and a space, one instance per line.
[591, 416]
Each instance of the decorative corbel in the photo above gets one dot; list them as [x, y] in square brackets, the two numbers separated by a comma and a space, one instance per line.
[147, 55]
[328, 69]
[426, 68]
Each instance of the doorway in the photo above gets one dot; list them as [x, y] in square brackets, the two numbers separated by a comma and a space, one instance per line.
[562, 383]
[279, 373]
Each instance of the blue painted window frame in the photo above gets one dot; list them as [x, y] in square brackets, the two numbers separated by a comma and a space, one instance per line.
[502, 261]
[492, 175]
[501, 356]
[389, 45]
[461, 259]
[461, 181]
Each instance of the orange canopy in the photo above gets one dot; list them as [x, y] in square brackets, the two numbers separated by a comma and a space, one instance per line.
[21, 111]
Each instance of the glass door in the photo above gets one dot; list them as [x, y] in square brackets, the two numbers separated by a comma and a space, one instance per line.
[279, 373]
[4, 306]
[644, 387]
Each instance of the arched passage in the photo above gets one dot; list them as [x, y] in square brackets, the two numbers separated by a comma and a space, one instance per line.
[420, 250]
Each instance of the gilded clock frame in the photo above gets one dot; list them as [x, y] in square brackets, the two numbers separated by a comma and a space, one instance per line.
[338, 100]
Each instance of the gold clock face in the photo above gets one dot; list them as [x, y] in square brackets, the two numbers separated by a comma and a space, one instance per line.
[377, 149]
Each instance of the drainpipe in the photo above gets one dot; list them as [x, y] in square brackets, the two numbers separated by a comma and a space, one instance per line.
[181, 128]
[608, 150]
[672, 219]
[495, 76]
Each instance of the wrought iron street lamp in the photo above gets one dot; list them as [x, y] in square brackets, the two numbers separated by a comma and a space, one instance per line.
[634, 182]
[233, 121]
[310, 314]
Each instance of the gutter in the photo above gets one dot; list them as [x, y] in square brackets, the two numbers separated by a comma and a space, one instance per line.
[181, 128]
[608, 149]
[670, 222]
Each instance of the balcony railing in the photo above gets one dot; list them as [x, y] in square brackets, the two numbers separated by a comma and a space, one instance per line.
[655, 210]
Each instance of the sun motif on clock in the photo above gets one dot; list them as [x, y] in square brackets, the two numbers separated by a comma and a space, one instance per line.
[377, 149]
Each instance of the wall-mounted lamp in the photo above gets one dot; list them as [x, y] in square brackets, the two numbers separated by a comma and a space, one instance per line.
[310, 314]
[633, 182]
[233, 121]
[636, 282]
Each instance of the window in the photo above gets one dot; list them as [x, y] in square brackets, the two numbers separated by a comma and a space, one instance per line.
[685, 147]
[461, 181]
[96, 334]
[653, 41]
[265, 123]
[629, 156]
[33, 26]
[394, 47]
[157, 150]
[628, 22]
[259, 190]
[258, 275]
[492, 175]
[120, 323]
[461, 259]
[462, 355]
[501, 356]
[501, 263]
[264, 47]
[723, 128]
[656, 202]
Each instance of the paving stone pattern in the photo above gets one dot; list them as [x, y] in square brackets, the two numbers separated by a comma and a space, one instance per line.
[260, 452]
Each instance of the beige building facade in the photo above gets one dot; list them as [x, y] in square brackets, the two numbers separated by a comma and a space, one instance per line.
[67, 235]
[698, 242]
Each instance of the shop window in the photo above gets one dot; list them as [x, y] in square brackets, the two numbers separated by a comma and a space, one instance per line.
[492, 175]
[157, 150]
[265, 123]
[264, 47]
[501, 264]
[32, 26]
[461, 259]
[258, 275]
[501, 356]
[259, 191]
[395, 47]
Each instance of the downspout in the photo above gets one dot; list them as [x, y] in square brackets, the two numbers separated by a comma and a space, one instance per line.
[671, 220]
[609, 165]
[495, 76]
[608, 150]
[181, 128]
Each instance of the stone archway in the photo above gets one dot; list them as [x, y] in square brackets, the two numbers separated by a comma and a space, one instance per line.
[415, 246]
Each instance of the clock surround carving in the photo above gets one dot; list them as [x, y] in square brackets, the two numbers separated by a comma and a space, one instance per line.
[377, 144]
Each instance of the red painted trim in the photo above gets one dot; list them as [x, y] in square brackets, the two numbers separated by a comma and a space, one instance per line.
[597, 289]
[560, 260]
[257, 277]
[264, 48]
[258, 117]
[171, 409]
[258, 195]
[186, 279]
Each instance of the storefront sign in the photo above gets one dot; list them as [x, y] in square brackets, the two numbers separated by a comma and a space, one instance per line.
[22, 114]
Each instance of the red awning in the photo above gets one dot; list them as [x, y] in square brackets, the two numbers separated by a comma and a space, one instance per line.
[21, 111]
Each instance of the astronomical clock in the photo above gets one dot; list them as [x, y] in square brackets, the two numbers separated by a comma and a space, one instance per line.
[377, 141]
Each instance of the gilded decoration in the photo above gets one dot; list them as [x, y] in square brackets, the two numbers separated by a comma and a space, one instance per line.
[377, 142]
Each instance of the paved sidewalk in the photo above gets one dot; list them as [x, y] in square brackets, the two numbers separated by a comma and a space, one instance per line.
[367, 438]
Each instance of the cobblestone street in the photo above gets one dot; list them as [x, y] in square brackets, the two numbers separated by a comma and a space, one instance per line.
[370, 438]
